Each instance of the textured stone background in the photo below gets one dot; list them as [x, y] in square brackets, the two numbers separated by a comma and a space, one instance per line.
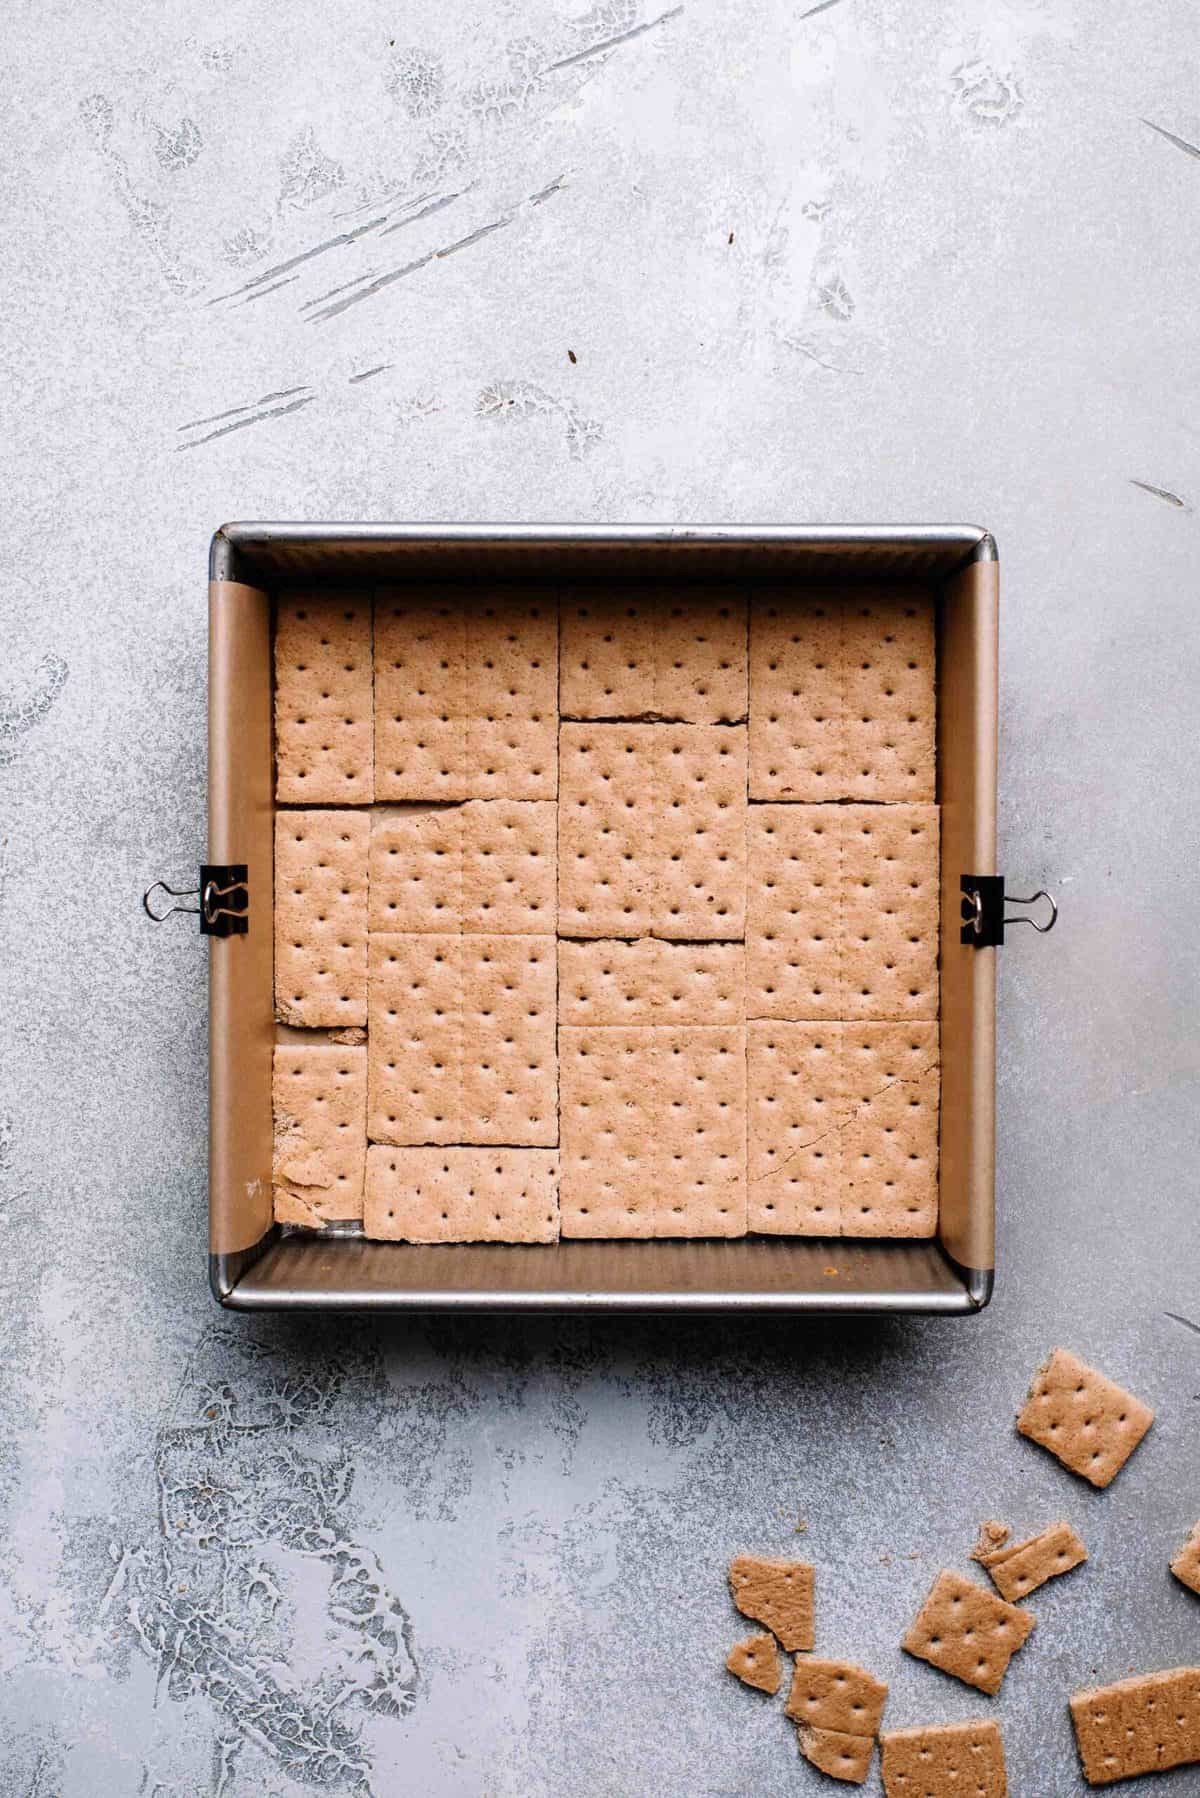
[859, 261]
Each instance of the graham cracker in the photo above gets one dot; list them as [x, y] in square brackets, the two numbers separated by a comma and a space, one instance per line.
[700, 983]
[1186, 1564]
[944, 1760]
[461, 1195]
[1019, 1568]
[606, 872]
[890, 1142]
[509, 863]
[797, 744]
[420, 698]
[508, 1053]
[889, 911]
[414, 1039]
[968, 1632]
[321, 917]
[699, 830]
[793, 912]
[1142, 1725]
[1087, 1422]
[698, 1163]
[607, 1105]
[607, 666]
[324, 709]
[649, 981]
[777, 1593]
[836, 1695]
[837, 1753]
[701, 673]
[319, 1101]
[756, 1661]
[624, 657]
[888, 696]
[797, 1105]
[512, 699]
[417, 871]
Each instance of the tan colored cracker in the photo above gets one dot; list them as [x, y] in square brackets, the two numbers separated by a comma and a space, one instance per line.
[700, 983]
[607, 663]
[321, 917]
[888, 696]
[837, 1753]
[836, 1695]
[777, 1593]
[508, 866]
[509, 1057]
[990, 1541]
[1086, 1421]
[793, 912]
[699, 1131]
[698, 830]
[461, 1195]
[625, 657]
[796, 1105]
[1186, 1564]
[648, 981]
[512, 699]
[944, 1760]
[319, 1100]
[1019, 1568]
[1142, 1725]
[606, 884]
[324, 710]
[607, 1104]
[417, 871]
[966, 1631]
[796, 706]
[888, 935]
[415, 1039]
[890, 1143]
[420, 697]
[701, 663]
[756, 1661]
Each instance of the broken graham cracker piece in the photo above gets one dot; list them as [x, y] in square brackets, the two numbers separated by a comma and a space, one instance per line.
[415, 1039]
[416, 868]
[797, 742]
[512, 698]
[1186, 1564]
[888, 695]
[777, 1593]
[509, 1056]
[794, 912]
[890, 904]
[698, 1165]
[319, 1101]
[1086, 1421]
[756, 1661]
[836, 1695]
[1142, 1725]
[797, 1106]
[968, 1632]
[607, 1102]
[626, 657]
[420, 697]
[321, 917]
[1019, 1568]
[461, 1195]
[324, 703]
[509, 866]
[699, 831]
[892, 1083]
[648, 981]
[837, 1753]
[944, 1760]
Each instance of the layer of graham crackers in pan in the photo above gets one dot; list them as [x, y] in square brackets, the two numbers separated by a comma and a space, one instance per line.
[646, 886]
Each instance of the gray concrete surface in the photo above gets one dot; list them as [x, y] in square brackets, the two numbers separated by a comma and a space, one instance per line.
[854, 261]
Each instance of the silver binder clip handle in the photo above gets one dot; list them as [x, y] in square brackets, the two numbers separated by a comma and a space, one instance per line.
[160, 886]
[1041, 929]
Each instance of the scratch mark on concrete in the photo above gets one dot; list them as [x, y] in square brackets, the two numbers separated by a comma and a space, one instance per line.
[343, 287]
[814, 10]
[284, 393]
[464, 243]
[274, 288]
[369, 373]
[835, 368]
[1181, 143]
[322, 249]
[240, 424]
[425, 211]
[1172, 499]
[622, 37]
[1185, 1321]
[19, 714]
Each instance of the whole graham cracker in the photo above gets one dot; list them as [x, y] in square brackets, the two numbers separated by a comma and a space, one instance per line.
[508, 1055]
[1186, 1564]
[607, 1105]
[838, 1753]
[888, 936]
[461, 1195]
[512, 699]
[756, 1661]
[944, 1760]
[415, 1039]
[797, 1104]
[797, 740]
[890, 1141]
[624, 657]
[319, 1100]
[1142, 1725]
[1019, 1568]
[416, 868]
[888, 696]
[324, 705]
[321, 917]
[420, 696]
[649, 981]
[836, 1695]
[1086, 1421]
[777, 1593]
[966, 1631]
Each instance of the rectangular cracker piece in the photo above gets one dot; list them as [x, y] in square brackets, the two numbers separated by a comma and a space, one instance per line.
[700, 666]
[606, 868]
[796, 708]
[1086, 1421]
[1186, 1564]
[607, 664]
[321, 918]
[1019, 1568]
[797, 1105]
[888, 696]
[608, 1104]
[319, 1100]
[699, 1131]
[890, 1142]
[416, 871]
[606, 981]
[420, 696]
[793, 911]
[509, 864]
[699, 830]
[415, 1039]
[700, 983]
[461, 1195]
[1141, 1725]
[512, 699]
[837, 1753]
[889, 915]
[324, 706]
[777, 1593]
[966, 1631]
[509, 1054]
[944, 1760]
[836, 1695]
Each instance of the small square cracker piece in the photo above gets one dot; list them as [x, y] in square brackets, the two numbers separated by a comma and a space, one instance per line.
[944, 1760]
[756, 1661]
[777, 1593]
[1086, 1421]
[1141, 1725]
[324, 705]
[968, 1632]
[319, 1101]
[836, 1695]
[1186, 1565]
[1019, 1568]
[838, 1753]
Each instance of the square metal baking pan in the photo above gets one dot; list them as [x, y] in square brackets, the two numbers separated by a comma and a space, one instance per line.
[254, 1265]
